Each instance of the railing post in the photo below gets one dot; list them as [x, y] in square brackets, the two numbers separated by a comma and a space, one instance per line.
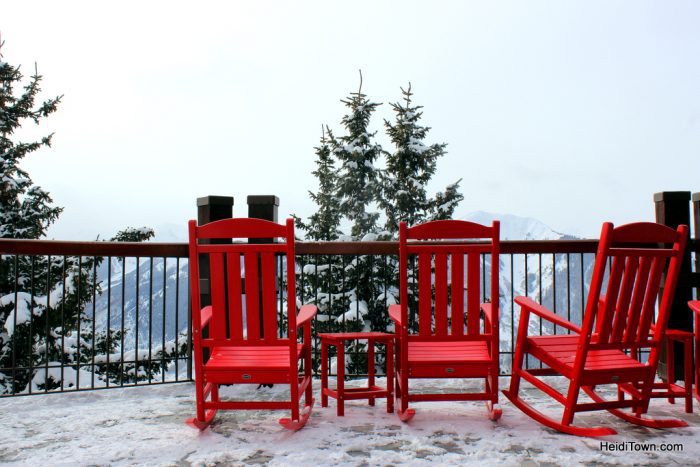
[262, 207]
[673, 209]
[210, 209]
[696, 236]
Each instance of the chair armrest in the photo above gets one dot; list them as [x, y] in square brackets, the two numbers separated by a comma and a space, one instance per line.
[539, 310]
[395, 314]
[205, 316]
[694, 305]
[488, 314]
[305, 314]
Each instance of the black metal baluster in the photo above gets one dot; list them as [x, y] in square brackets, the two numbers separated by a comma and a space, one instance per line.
[94, 312]
[46, 319]
[554, 287]
[163, 360]
[121, 343]
[177, 318]
[32, 293]
[109, 316]
[136, 331]
[79, 312]
[63, 321]
[150, 317]
[14, 325]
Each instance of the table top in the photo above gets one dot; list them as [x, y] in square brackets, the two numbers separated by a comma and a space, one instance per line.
[354, 335]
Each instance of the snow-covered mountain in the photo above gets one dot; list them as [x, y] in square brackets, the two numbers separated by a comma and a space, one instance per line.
[515, 227]
[154, 317]
[559, 282]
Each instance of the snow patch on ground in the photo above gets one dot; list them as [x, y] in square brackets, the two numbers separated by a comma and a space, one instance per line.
[145, 425]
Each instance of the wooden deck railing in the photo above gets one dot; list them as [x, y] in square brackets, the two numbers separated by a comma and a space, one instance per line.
[565, 289]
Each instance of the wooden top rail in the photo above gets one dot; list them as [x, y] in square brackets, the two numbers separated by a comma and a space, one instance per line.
[392, 248]
[70, 248]
[175, 250]
[179, 250]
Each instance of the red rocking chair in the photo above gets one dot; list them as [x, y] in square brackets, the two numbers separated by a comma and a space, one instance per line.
[616, 326]
[447, 345]
[243, 343]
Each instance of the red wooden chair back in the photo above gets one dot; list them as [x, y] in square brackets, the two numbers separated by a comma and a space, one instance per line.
[621, 316]
[631, 263]
[243, 315]
[450, 275]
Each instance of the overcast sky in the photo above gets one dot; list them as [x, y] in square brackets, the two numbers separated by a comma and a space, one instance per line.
[573, 113]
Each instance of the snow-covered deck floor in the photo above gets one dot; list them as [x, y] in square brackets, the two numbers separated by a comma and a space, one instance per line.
[144, 425]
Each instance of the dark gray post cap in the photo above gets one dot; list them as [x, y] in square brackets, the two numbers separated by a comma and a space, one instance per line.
[215, 201]
[672, 196]
[263, 199]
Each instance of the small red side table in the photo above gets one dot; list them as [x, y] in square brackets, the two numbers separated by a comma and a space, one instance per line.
[371, 391]
[670, 389]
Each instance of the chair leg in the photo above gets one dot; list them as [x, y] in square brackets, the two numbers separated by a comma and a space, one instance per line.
[688, 375]
[324, 373]
[404, 413]
[299, 418]
[390, 377]
[199, 396]
[370, 367]
[571, 400]
[340, 385]
[204, 417]
[492, 406]
[519, 354]
[670, 367]
[309, 396]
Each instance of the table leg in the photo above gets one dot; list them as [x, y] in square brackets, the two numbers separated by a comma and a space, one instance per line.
[370, 367]
[390, 375]
[670, 366]
[697, 356]
[341, 378]
[688, 374]
[324, 373]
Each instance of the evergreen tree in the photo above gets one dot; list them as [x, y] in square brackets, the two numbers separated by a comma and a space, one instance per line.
[363, 286]
[45, 335]
[358, 189]
[357, 182]
[409, 169]
[324, 224]
[319, 279]
[26, 210]
[445, 202]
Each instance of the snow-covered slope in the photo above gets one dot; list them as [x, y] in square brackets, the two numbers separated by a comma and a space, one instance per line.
[153, 316]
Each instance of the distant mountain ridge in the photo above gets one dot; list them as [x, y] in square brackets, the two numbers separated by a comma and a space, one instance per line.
[516, 227]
